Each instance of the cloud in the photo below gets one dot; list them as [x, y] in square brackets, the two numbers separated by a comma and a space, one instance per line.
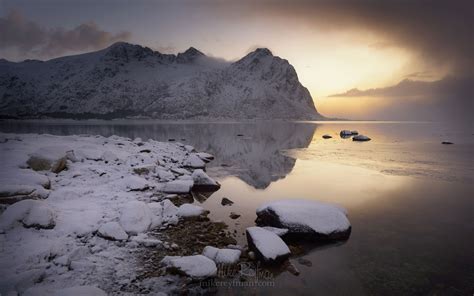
[447, 99]
[29, 39]
[439, 31]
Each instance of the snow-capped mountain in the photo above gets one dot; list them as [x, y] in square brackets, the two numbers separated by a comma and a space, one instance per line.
[126, 80]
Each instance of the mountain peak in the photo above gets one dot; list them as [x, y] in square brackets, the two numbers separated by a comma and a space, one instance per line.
[189, 55]
[263, 51]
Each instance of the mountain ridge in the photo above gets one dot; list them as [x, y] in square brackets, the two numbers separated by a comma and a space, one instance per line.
[128, 80]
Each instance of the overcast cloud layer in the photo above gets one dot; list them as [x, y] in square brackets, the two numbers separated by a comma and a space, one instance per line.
[26, 39]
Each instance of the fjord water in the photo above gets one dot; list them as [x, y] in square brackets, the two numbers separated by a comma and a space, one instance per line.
[409, 198]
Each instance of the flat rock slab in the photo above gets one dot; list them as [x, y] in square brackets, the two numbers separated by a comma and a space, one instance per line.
[268, 246]
[197, 266]
[360, 138]
[306, 219]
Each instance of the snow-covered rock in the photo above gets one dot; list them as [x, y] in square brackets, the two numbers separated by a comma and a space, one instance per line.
[109, 156]
[222, 256]
[202, 182]
[361, 138]
[134, 183]
[194, 161]
[178, 186]
[170, 212]
[149, 83]
[40, 216]
[206, 157]
[268, 246]
[47, 158]
[113, 231]
[31, 213]
[189, 210]
[197, 266]
[136, 217]
[306, 218]
[164, 175]
[277, 231]
[145, 240]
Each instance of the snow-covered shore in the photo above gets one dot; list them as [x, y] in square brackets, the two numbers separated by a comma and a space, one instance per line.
[76, 221]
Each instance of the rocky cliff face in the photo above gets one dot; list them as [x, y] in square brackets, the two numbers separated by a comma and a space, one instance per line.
[127, 80]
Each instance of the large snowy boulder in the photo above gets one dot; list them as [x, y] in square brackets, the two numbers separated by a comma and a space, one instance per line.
[202, 182]
[222, 256]
[197, 266]
[136, 217]
[31, 213]
[51, 158]
[268, 246]
[306, 218]
[189, 210]
[112, 231]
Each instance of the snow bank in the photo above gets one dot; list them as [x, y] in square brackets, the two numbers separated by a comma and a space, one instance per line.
[305, 218]
[92, 216]
[268, 246]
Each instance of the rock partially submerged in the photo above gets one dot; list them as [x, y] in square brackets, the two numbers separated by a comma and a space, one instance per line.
[266, 245]
[360, 138]
[226, 202]
[306, 219]
[222, 256]
[345, 133]
[196, 267]
[202, 182]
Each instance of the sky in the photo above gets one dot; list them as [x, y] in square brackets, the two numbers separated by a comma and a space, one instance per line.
[335, 46]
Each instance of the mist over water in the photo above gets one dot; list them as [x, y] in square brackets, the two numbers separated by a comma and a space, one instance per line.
[409, 197]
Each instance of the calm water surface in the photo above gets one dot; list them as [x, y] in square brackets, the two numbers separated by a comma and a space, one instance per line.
[410, 199]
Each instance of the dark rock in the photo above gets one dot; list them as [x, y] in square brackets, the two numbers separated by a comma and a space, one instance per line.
[447, 143]
[291, 268]
[226, 202]
[305, 262]
[145, 151]
[171, 140]
[361, 138]
[327, 137]
[234, 215]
